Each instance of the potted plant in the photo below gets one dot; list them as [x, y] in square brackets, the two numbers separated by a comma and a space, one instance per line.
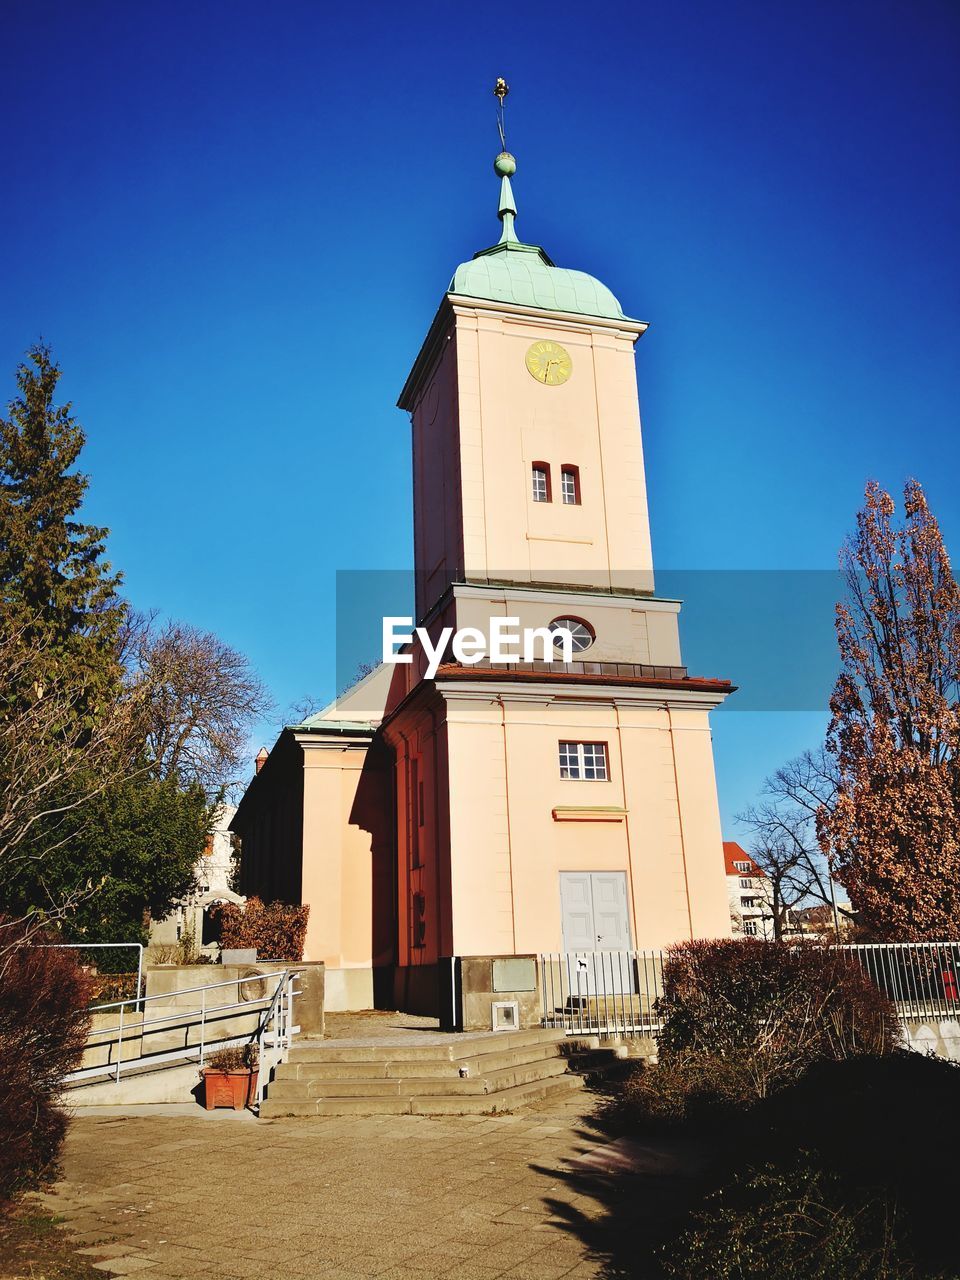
[230, 1077]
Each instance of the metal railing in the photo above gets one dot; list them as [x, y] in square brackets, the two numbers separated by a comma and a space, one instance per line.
[615, 994]
[202, 1024]
[602, 993]
[921, 978]
[276, 1033]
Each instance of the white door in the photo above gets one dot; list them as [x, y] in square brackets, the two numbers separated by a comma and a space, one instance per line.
[610, 910]
[595, 920]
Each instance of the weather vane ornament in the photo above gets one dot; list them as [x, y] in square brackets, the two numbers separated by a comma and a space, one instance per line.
[504, 165]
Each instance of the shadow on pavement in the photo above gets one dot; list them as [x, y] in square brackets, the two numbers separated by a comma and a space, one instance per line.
[631, 1196]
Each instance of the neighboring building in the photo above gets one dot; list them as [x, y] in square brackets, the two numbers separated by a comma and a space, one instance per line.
[817, 922]
[749, 893]
[214, 871]
[514, 809]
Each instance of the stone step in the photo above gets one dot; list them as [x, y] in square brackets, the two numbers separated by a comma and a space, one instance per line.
[312, 1087]
[449, 1050]
[425, 1104]
[504, 1100]
[341, 1069]
[271, 1108]
[492, 1083]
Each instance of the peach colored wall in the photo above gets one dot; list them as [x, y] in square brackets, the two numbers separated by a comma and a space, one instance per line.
[479, 422]
[418, 739]
[626, 630]
[507, 848]
[700, 815]
[337, 879]
[508, 420]
[437, 470]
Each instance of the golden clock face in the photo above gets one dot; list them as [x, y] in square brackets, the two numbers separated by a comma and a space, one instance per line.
[549, 363]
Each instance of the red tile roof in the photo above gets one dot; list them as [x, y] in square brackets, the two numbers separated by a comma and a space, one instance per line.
[733, 852]
[550, 673]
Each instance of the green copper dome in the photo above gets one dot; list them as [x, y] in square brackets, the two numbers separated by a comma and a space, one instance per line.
[522, 274]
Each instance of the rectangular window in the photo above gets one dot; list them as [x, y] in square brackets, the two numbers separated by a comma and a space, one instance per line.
[746, 884]
[583, 761]
[541, 482]
[570, 485]
[750, 927]
[741, 866]
[748, 902]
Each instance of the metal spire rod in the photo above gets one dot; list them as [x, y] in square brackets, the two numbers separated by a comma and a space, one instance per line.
[505, 166]
[500, 91]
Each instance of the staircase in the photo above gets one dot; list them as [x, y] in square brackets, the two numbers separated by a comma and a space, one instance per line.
[462, 1075]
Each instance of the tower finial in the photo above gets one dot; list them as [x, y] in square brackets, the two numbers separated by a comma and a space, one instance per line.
[500, 91]
[505, 166]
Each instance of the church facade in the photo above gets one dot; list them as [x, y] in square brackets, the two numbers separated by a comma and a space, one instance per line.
[562, 804]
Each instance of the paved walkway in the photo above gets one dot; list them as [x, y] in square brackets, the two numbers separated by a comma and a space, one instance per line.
[227, 1197]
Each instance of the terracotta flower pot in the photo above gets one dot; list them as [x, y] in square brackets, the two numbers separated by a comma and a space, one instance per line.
[235, 1089]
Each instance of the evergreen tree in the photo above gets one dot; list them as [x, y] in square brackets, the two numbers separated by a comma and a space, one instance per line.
[136, 852]
[108, 733]
[55, 585]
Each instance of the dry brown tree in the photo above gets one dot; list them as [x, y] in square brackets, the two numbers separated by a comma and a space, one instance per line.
[893, 829]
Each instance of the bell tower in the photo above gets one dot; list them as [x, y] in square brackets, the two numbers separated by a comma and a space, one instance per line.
[527, 452]
[536, 793]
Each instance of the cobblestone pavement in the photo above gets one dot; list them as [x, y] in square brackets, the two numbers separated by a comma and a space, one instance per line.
[220, 1196]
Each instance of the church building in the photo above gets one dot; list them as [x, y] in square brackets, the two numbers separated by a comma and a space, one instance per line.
[506, 810]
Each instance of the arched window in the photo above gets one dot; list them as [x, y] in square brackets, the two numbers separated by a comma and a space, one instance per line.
[581, 632]
[540, 477]
[570, 484]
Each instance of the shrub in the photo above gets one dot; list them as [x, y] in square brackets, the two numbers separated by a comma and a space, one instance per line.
[238, 1057]
[744, 1018]
[772, 1008]
[683, 1089]
[798, 1223]
[276, 929]
[43, 1031]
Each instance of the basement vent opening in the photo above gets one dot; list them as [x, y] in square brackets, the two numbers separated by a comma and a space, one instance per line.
[505, 1015]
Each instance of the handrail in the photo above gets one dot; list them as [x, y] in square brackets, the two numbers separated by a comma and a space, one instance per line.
[887, 946]
[274, 1027]
[249, 1005]
[282, 1019]
[186, 991]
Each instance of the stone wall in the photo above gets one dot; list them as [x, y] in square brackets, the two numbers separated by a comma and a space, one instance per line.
[934, 1035]
[173, 1022]
[475, 983]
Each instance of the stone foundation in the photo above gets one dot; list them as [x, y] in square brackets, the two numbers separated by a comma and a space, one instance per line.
[934, 1035]
[471, 985]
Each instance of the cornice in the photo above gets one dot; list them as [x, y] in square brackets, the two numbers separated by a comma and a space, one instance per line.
[453, 305]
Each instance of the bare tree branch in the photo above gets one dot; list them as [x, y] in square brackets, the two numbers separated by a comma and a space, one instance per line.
[204, 699]
[784, 828]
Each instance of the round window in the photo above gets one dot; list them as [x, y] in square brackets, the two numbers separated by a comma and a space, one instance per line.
[582, 634]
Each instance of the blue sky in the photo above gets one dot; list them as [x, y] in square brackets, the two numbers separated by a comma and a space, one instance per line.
[233, 222]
